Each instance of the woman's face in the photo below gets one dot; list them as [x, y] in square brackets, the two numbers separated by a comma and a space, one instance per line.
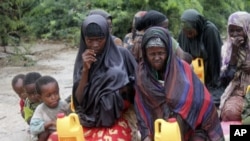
[95, 43]
[190, 32]
[236, 31]
[157, 57]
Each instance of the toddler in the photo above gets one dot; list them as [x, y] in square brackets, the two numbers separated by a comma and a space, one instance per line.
[32, 100]
[17, 85]
[43, 121]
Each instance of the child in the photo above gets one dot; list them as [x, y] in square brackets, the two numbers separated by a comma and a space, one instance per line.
[43, 122]
[32, 101]
[17, 85]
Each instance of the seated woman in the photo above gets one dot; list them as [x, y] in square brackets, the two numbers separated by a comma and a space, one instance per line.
[167, 87]
[103, 82]
[235, 71]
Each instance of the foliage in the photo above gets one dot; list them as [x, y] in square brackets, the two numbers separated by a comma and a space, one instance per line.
[61, 19]
[12, 24]
[56, 19]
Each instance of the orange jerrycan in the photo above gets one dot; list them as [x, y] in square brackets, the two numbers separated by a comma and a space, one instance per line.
[69, 128]
[167, 130]
[198, 66]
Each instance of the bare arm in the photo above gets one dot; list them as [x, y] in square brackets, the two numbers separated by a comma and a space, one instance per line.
[88, 58]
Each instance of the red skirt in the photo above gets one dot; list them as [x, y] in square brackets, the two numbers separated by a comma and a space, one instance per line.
[119, 131]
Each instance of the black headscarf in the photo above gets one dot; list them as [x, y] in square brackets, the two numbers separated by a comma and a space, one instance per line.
[151, 18]
[207, 44]
[102, 103]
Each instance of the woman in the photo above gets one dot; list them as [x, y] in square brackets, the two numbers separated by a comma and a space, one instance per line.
[235, 66]
[167, 87]
[103, 82]
[155, 18]
[201, 38]
[128, 41]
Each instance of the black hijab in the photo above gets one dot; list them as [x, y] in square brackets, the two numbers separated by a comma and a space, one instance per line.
[102, 102]
[151, 18]
[207, 44]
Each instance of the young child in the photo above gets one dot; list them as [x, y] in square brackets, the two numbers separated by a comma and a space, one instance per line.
[17, 85]
[43, 121]
[32, 100]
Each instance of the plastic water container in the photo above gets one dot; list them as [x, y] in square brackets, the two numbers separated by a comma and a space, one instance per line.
[167, 130]
[72, 107]
[69, 128]
[198, 66]
[248, 89]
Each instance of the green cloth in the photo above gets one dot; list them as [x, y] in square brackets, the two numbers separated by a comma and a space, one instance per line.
[246, 109]
[29, 109]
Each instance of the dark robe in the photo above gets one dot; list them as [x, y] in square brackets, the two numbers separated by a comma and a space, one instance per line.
[207, 45]
[102, 102]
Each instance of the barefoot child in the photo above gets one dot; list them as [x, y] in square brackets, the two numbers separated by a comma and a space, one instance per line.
[43, 122]
[32, 101]
[17, 85]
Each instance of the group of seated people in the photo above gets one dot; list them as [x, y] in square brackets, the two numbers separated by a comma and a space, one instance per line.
[149, 75]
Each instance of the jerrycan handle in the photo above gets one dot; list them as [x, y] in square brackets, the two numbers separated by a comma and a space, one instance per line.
[74, 118]
[248, 89]
[158, 124]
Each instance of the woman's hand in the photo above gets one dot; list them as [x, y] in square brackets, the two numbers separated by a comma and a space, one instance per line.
[88, 58]
[237, 41]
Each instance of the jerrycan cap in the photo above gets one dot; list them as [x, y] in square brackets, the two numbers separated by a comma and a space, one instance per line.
[172, 120]
[60, 115]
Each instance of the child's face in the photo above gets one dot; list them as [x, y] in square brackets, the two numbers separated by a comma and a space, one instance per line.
[19, 89]
[50, 94]
[31, 93]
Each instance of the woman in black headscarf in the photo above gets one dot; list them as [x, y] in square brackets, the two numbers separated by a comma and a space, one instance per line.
[155, 18]
[201, 38]
[103, 79]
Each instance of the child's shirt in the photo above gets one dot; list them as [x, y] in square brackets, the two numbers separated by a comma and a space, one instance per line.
[44, 114]
[29, 109]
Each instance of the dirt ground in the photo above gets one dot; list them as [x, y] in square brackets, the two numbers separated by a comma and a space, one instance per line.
[52, 59]
[55, 59]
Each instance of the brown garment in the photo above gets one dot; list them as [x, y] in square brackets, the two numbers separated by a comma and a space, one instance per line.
[136, 50]
[232, 109]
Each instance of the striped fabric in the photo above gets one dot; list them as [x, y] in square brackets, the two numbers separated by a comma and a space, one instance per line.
[182, 92]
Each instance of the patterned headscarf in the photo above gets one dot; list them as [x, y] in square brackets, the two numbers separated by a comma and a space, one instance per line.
[241, 19]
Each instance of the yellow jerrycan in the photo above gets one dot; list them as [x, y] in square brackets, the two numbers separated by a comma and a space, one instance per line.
[167, 130]
[198, 66]
[69, 128]
[248, 89]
